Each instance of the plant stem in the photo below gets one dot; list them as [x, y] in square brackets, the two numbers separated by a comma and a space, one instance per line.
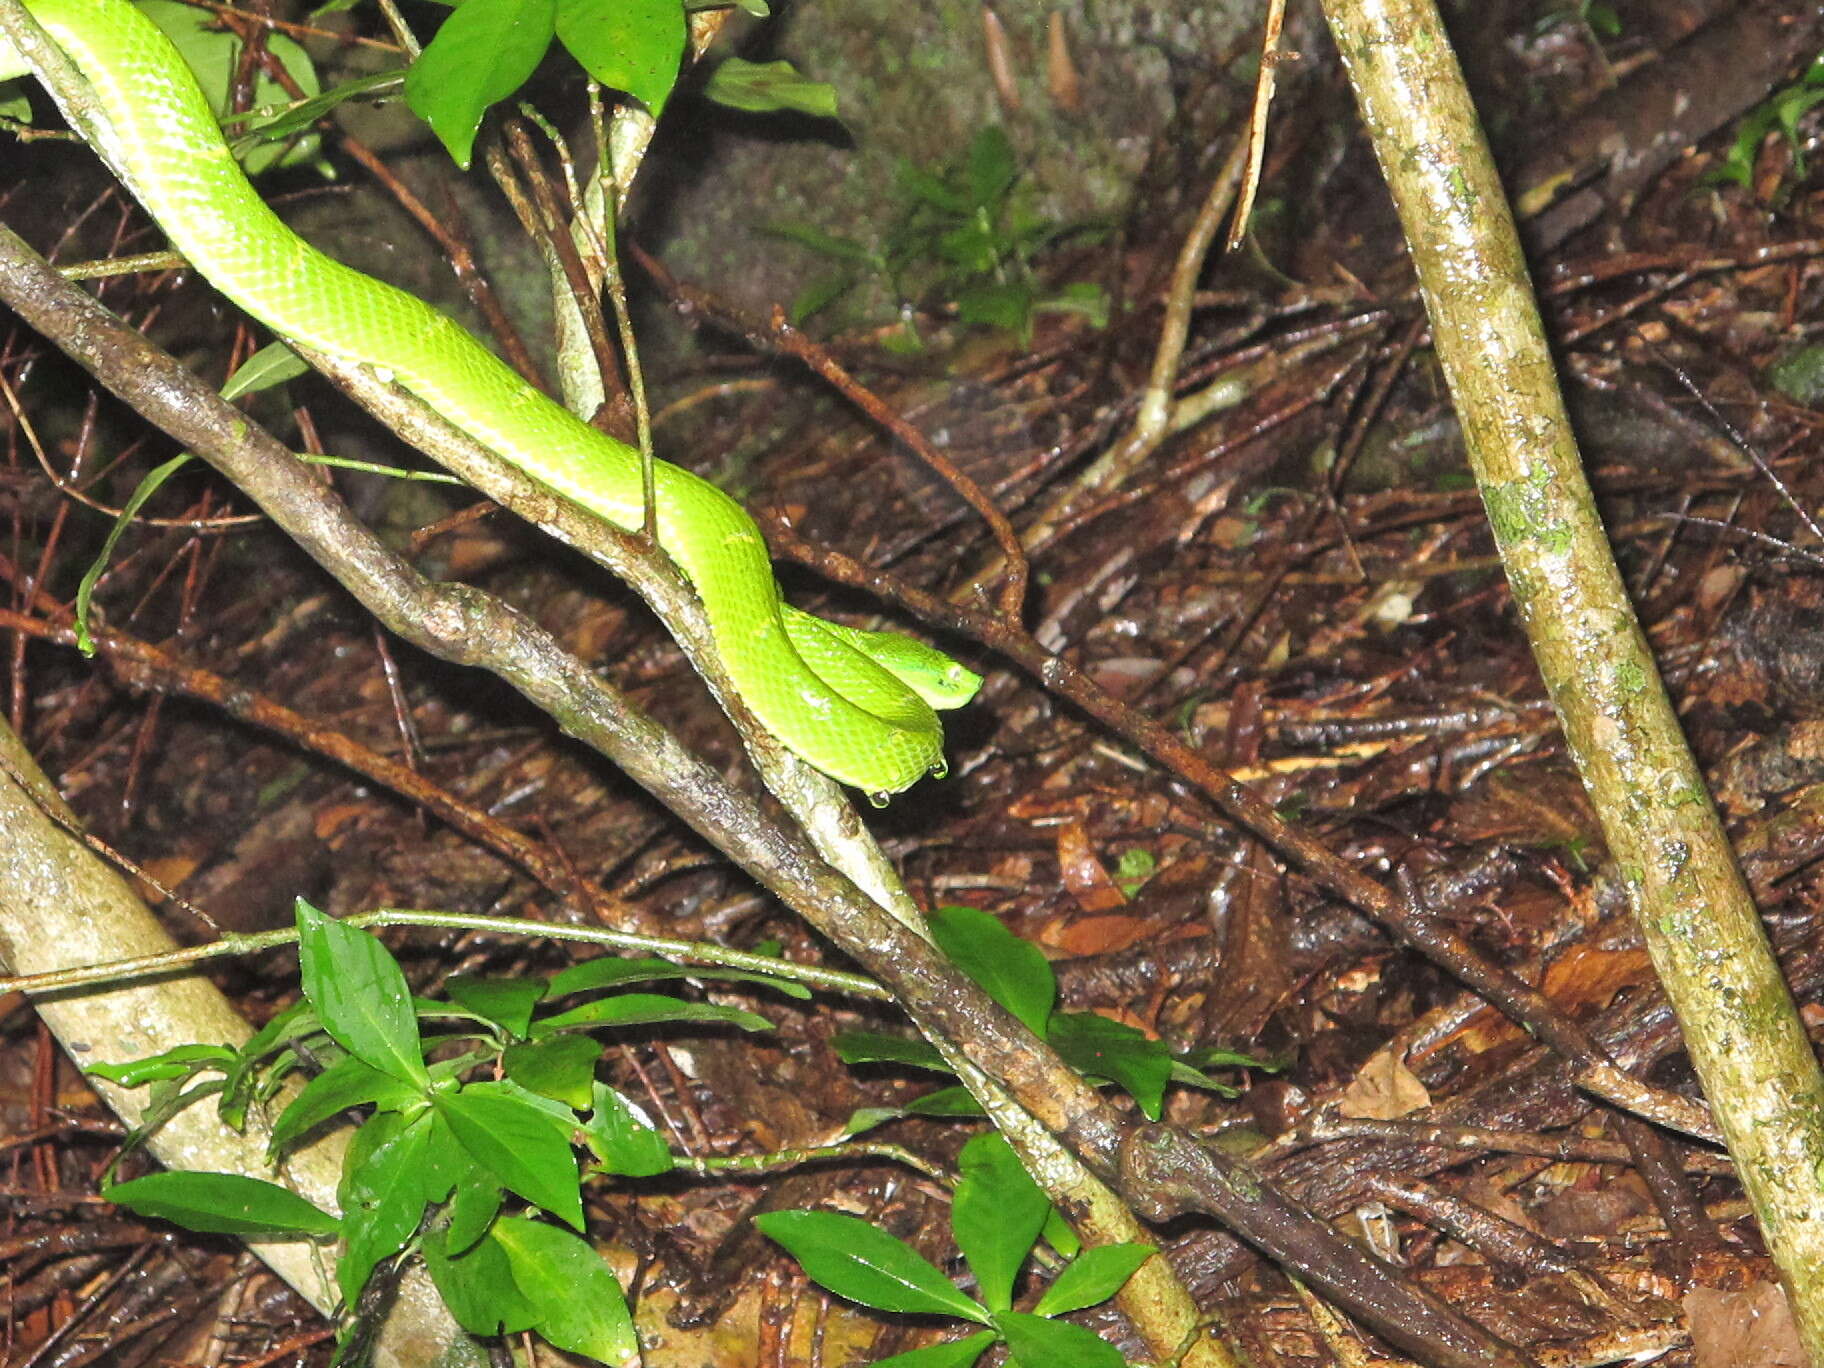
[1699, 920]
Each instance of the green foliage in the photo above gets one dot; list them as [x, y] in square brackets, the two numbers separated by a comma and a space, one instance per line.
[996, 1217]
[1016, 974]
[454, 1121]
[1799, 375]
[486, 50]
[768, 88]
[1781, 113]
[962, 234]
[214, 54]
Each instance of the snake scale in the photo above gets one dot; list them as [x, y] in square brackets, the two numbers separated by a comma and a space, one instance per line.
[857, 705]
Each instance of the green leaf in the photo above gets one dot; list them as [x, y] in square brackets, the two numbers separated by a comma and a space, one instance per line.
[214, 54]
[643, 1009]
[1014, 972]
[916, 183]
[999, 304]
[997, 1213]
[482, 54]
[384, 1190]
[957, 1101]
[1799, 375]
[273, 364]
[768, 87]
[360, 995]
[1040, 1343]
[814, 298]
[181, 1061]
[1060, 1236]
[952, 1354]
[1101, 1048]
[347, 1083]
[877, 1047]
[630, 45]
[1191, 1077]
[621, 1140]
[506, 1002]
[991, 166]
[562, 1067]
[824, 244]
[477, 1285]
[611, 971]
[224, 1204]
[1093, 1276]
[298, 116]
[263, 1058]
[865, 1264]
[575, 1296]
[1136, 865]
[85, 588]
[519, 1142]
[865, 1119]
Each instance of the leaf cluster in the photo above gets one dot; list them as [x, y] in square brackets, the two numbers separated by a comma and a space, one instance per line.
[1781, 113]
[1016, 974]
[494, 1100]
[964, 234]
[997, 1216]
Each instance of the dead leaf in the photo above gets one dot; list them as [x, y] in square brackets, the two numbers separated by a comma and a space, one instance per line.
[1749, 1327]
[1383, 1089]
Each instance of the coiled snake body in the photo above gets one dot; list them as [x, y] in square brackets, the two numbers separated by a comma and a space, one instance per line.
[857, 705]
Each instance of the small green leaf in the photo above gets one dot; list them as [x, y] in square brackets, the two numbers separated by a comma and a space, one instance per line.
[298, 116]
[575, 1296]
[819, 295]
[179, 1062]
[957, 1101]
[1014, 972]
[85, 589]
[998, 304]
[519, 1142]
[876, 1047]
[991, 166]
[768, 87]
[1136, 865]
[824, 244]
[1060, 1236]
[864, 1119]
[508, 1003]
[951, 1354]
[482, 54]
[255, 1059]
[347, 1083]
[360, 995]
[1040, 1343]
[644, 1009]
[856, 1260]
[1093, 1276]
[997, 1213]
[1101, 1048]
[477, 1285]
[562, 1067]
[630, 45]
[273, 364]
[224, 1204]
[623, 1141]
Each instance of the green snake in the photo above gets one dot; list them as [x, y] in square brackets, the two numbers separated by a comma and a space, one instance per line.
[857, 705]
